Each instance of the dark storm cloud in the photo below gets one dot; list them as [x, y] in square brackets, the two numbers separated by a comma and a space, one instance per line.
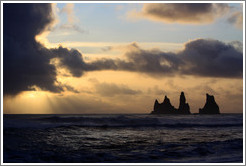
[139, 60]
[19, 17]
[211, 58]
[201, 57]
[198, 13]
[27, 62]
[150, 61]
[70, 59]
[24, 62]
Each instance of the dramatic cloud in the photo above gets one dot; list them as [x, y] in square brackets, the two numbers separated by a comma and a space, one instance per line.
[236, 19]
[24, 62]
[152, 62]
[28, 64]
[211, 58]
[196, 13]
[201, 57]
[70, 59]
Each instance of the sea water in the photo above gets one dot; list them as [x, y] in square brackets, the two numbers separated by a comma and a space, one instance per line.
[123, 138]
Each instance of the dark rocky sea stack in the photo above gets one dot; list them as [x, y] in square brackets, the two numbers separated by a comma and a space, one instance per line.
[184, 107]
[167, 108]
[210, 106]
[163, 108]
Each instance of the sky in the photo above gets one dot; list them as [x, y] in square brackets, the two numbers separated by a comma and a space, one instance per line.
[114, 58]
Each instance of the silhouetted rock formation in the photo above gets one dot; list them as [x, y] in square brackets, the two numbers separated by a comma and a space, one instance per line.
[166, 107]
[210, 106]
[184, 107]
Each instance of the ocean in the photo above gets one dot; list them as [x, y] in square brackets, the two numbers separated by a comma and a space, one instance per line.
[133, 138]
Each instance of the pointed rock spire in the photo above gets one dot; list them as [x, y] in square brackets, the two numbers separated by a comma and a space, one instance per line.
[210, 107]
[182, 98]
[166, 100]
[184, 107]
[167, 108]
[164, 108]
[156, 106]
